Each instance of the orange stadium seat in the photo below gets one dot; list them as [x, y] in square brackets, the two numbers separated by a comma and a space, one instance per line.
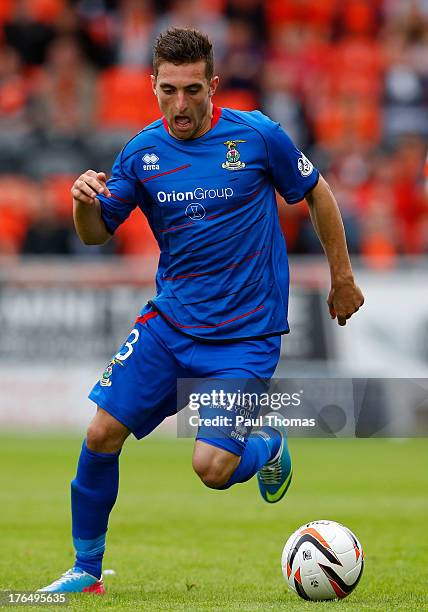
[378, 251]
[125, 99]
[355, 67]
[303, 11]
[135, 236]
[340, 122]
[358, 16]
[56, 189]
[236, 98]
[45, 11]
[16, 195]
[6, 9]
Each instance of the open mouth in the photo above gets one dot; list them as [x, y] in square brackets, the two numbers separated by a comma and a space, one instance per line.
[182, 122]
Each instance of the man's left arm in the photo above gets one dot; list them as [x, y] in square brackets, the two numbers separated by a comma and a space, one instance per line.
[345, 297]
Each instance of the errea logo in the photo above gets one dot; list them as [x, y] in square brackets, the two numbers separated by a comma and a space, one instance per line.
[150, 161]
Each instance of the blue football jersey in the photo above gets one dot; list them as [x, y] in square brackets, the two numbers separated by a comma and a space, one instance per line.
[210, 202]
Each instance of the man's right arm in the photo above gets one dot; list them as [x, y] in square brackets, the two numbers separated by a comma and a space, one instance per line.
[88, 222]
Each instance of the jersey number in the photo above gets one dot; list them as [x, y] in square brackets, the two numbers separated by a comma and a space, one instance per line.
[127, 347]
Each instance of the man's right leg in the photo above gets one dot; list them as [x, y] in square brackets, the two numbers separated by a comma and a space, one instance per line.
[136, 392]
[93, 494]
[94, 489]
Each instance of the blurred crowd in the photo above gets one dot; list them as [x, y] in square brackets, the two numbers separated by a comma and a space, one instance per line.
[347, 79]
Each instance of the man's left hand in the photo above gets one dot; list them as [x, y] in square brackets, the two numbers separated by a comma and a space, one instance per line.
[344, 300]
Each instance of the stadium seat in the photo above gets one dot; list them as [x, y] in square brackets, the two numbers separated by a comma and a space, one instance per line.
[16, 195]
[378, 251]
[303, 11]
[125, 99]
[135, 236]
[236, 98]
[340, 122]
[45, 11]
[359, 16]
[56, 189]
[6, 9]
[356, 67]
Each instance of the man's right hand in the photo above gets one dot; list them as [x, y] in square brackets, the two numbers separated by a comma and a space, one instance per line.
[90, 184]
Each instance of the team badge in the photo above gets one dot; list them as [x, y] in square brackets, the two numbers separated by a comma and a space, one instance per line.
[304, 165]
[105, 378]
[233, 156]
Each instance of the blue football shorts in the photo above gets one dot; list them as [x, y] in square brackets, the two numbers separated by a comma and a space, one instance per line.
[139, 386]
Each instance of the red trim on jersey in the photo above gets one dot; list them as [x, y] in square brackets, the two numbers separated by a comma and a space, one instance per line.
[235, 265]
[120, 199]
[246, 314]
[217, 110]
[172, 229]
[149, 178]
[251, 197]
[144, 318]
[216, 115]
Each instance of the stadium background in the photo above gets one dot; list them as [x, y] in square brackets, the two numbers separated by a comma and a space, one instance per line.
[349, 81]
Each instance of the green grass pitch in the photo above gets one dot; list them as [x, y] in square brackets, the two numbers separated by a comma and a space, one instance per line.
[176, 545]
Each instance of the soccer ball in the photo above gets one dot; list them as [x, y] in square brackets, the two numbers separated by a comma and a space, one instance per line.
[322, 560]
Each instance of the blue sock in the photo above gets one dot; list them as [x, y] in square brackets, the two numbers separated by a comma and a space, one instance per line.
[93, 494]
[258, 451]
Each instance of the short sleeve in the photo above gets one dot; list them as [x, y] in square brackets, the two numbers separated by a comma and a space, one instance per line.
[116, 209]
[292, 172]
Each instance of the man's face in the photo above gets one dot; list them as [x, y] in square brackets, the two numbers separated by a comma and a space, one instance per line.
[184, 96]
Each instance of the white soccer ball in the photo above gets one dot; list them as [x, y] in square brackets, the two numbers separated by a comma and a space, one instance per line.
[322, 560]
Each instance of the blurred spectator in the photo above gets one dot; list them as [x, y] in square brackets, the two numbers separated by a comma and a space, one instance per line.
[411, 206]
[281, 104]
[63, 102]
[251, 12]
[134, 33]
[406, 88]
[26, 33]
[62, 110]
[242, 64]
[188, 14]
[94, 23]
[46, 234]
[15, 89]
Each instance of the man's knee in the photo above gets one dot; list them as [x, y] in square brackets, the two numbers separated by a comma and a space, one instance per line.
[105, 433]
[214, 466]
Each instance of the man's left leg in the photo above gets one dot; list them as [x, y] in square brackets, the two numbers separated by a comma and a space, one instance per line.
[227, 454]
[219, 468]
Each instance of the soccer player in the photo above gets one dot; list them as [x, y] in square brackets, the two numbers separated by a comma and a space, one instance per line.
[205, 177]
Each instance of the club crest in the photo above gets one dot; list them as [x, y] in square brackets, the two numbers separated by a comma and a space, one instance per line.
[233, 156]
[105, 378]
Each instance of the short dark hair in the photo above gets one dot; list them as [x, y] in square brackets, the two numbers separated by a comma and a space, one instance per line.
[183, 46]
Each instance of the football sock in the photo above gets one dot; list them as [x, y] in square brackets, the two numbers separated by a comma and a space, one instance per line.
[93, 494]
[261, 447]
